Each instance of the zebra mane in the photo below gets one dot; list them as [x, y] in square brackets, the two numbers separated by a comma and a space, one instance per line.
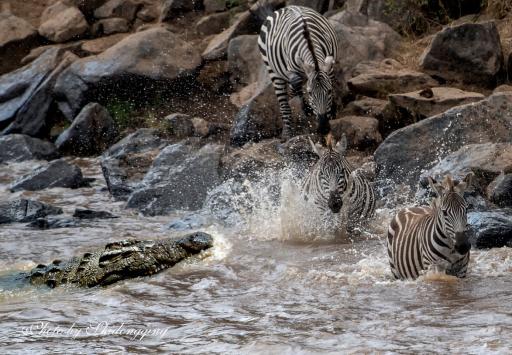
[309, 41]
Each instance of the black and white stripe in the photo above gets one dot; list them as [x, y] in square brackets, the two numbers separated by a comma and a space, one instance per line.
[333, 185]
[433, 237]
[299, 45]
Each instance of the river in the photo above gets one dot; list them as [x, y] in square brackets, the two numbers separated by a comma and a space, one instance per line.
[258, 291]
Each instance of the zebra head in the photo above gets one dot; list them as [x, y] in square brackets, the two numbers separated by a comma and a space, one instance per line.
[319, 88]
[451, 210]
[331, 174]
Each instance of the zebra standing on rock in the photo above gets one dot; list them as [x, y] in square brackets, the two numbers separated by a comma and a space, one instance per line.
[333, 185]
[420, 238]
[298, 44]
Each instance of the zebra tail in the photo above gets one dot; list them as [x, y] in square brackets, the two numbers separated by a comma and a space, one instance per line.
[264, 8]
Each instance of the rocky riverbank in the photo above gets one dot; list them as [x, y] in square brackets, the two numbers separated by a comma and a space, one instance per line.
[174, 99]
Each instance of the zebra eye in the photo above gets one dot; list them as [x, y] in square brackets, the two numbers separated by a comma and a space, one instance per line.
[445, 213]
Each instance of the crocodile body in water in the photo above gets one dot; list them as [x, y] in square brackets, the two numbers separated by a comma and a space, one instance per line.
[119, 261]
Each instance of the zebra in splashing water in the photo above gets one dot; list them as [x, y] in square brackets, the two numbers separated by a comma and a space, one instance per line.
[333, 185]
[421, 238]
[298, 44]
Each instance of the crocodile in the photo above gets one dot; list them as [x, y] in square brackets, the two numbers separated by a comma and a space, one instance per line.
[119, 261]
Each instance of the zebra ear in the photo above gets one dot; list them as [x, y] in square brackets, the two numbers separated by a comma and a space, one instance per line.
[328, 63]
[434, 185]
[314, 147]
[461, 186]
[342, 144]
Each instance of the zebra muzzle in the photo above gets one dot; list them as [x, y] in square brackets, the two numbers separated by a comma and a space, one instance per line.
[323, 124]
[462, 244]
[335, 203]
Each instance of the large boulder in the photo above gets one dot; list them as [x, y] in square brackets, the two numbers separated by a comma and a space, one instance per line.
[212, 24]
[64, 25]
[259, 118]
[126, 162]
[490, 229]
[156, 54]
[408, 151]
[57, 173]
[365, 106]
[26, 94]
[117, 8]
[53, 10]
[24, 210]
[378, 79]
[179, 178]
[501, 191]
[19, 147]
[469, 53]
[361, 132]
[91, 132]
[172, 8]
[244, 61]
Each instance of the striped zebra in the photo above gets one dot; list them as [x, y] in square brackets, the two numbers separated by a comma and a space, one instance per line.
[333, 185]
[433, 237]
[299, 45]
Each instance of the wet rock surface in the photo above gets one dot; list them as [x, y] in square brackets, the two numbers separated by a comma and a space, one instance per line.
[19, 147]
[126, 162]
[501, 191]
[57, 173]
[119, 261]
[24, 210]
[179, 179]
[491, 229]
[90, 133]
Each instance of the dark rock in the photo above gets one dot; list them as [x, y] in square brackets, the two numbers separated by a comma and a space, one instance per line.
[408, 151]
[361, 132]
[501, 193]
[469, 53]
[25, 211]
[179, 125]
[64, 25]
[126, 162]
[172, 8]
[365, 106]
[148, 13]
[117, 8]
[491, 229]
[244, 61]
[257, 119]
[155, 54]
[91, 132]
[179, 178]
[87, 6]
[54, 223]
[57, 173]
[212, 24]
[214, 6]
[25, 94]
[110, 26]
[118, 261]
[18, 147]
[388, 76]
[90, 214]
[318, 5]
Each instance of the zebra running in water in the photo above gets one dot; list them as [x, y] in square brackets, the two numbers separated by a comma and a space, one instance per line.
[298, 44]
[333, 185]
[436, 237]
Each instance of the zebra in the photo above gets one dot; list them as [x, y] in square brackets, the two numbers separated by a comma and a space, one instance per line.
[299, 45]
[432, 237]
[332, 184]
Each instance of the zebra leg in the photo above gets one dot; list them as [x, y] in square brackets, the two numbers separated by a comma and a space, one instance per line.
[281, 90]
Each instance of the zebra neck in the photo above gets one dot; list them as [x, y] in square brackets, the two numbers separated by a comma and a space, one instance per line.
[309, 41]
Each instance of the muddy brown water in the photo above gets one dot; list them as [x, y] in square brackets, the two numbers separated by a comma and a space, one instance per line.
[254, 292]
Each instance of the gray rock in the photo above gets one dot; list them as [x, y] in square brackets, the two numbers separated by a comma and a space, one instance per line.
[214, 6]
[90, 133]
[91, 214]
[28, 94]
[24, 210]
[469, 53]
[408, 151]
[19, 147]
[148, 13]
[388, 76]
[126, 162]
[362, 132]
[490, 229]
[118, 261]
[14, 29]
[244, 61]
[117, 8]
[318, 5]
[501, 193]
[365, 106]
[179, 125]
[257, 119]
[54, 223]
[155, 54]
[64, 25]
[110, 26]
[53, 10]
[57, 173]
[179, 178]
[212, 24]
